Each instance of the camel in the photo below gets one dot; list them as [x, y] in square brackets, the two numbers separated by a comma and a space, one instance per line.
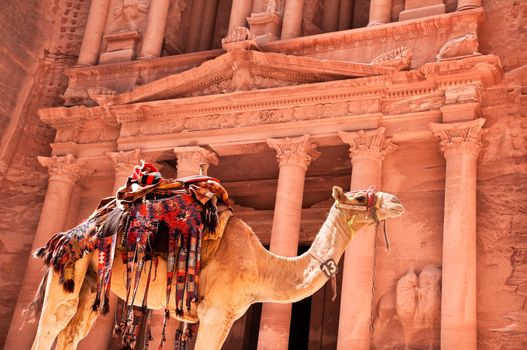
[241, 272]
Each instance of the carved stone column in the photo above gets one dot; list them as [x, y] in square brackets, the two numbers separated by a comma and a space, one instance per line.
[292, 25]
[467, 4]
[330, 16]
[240, 10]
[155, 29]
[380, 12]
[91, 42]
[195, 26]
[294, 156]
[189, 159]
[64, 172]
[367, 150]
[419, 8]
[460, 143]
[207, 29]
[265, 22]
[345, 14]
[101, 333]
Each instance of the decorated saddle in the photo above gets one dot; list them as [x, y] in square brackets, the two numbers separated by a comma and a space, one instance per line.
[150, 217]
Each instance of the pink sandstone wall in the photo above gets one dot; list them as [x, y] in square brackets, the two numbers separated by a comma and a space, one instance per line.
[38, 40]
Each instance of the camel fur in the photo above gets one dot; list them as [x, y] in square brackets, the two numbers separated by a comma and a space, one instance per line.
[241, 272]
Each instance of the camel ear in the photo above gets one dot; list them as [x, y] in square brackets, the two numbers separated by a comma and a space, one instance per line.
[338, 194]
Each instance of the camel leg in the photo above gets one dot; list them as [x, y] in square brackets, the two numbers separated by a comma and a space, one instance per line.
[81, 324]
[214, 326]
[59, 307]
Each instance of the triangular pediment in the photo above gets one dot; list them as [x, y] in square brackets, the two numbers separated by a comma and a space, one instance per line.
[240, 70]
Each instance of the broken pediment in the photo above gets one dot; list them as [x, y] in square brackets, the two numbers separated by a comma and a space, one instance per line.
[240, 70]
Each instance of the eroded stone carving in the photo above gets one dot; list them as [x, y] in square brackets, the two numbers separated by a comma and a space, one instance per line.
[466, 45]
[312, 10]
[130, 10]
[400, 58]
[413, 309]
[414, 104]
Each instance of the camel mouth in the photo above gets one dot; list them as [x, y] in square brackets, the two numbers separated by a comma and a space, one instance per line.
[391, 207]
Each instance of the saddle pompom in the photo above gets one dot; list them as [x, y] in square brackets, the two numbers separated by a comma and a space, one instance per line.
[39, 253]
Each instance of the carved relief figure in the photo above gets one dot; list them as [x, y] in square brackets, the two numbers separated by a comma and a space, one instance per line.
[412, 309]
[174, 37]
[465, 45]
[311, 19]
[127, 15]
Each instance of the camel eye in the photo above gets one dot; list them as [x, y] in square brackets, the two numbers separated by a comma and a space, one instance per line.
[360, 198]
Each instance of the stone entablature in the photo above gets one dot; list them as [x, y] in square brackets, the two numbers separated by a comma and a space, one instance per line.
[361, 103]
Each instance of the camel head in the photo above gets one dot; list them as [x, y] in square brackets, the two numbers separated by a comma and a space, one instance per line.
[365, 207]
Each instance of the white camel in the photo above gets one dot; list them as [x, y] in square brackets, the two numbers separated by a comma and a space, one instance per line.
[241, 272]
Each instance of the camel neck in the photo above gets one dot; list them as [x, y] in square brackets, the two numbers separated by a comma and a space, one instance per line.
[283, 279]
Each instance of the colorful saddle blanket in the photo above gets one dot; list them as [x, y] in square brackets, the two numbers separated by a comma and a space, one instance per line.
[130, 225]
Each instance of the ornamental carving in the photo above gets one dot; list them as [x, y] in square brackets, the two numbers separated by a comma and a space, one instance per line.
[297, 151]
[414, 104]
[400, 58]
[369, 145]
[63, 168]
[190, 159]
[125, 160]
[466, 45]
[130, 11]
[460, 137]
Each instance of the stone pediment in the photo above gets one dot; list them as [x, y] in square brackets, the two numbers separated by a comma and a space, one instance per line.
[240, 70]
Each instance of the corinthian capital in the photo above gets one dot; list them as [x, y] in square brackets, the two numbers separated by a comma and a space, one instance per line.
[367, 145]
[125, 160]
[191, 158]
[296, 151]
[63, 168]
[459, 137]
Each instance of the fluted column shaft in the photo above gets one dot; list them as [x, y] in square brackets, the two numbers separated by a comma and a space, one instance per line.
[101, 332]
[345, 14]
[367, 150]
[292, 24]
[294, 156]
[240, 10]
[207, 29]
[330, 16]
[93, 32]
[195, 26]
[380, 12]
[64, 172]
[155, 29]
[460, 143]
[190, 159]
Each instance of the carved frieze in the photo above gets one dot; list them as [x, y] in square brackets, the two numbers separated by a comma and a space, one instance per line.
[400, 58]
[414, 104]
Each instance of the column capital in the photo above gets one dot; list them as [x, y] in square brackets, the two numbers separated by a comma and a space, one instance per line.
[297, 151]
[125, 160]
[63, 168]
[367, 145]
[191, 157]
[459, 137]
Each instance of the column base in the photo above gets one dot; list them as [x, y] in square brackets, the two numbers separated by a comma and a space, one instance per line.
[422, 12]
[118, 56]
[265, 26]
